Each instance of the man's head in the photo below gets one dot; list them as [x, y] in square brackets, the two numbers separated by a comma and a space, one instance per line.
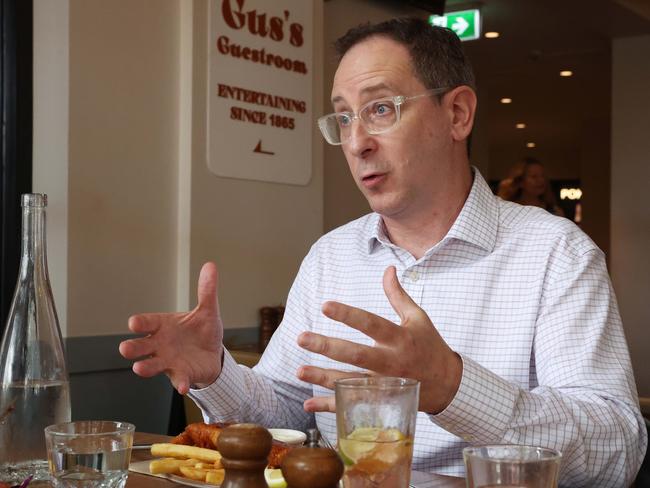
[407, 166]
[435, 53]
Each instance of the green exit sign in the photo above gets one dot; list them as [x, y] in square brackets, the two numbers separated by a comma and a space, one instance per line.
[465, 23]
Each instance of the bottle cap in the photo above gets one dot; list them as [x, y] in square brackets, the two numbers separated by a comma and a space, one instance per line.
[34, 200]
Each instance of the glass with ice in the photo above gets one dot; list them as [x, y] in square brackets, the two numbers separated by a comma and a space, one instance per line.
[89, 453]
[375, 421]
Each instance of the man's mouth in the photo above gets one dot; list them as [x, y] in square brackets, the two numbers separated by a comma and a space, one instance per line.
[373, 179]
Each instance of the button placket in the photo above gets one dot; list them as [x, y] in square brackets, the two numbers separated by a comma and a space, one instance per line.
[413, 284]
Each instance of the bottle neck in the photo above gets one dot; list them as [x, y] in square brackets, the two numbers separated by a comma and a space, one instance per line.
[34, 249]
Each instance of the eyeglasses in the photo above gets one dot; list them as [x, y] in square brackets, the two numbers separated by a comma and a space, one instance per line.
[377, 116]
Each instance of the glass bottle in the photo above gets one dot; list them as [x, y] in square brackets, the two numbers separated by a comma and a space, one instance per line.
[34, 384]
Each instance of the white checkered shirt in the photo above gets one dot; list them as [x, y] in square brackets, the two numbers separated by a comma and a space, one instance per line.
[523, 297]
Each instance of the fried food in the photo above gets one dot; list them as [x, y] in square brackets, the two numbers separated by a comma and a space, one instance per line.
[183, 438]
[185, 452]
[193, 454]
[206, 436]
[277, 454]
[170, 465]
[217, 465]
[200, 435]
[197, 474]
[215, 477]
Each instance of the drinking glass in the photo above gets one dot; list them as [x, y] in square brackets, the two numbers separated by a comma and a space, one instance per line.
[511, 466]
[89, 453]
[375, 421]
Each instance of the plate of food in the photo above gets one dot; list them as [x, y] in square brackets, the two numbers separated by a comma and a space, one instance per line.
[192, 458]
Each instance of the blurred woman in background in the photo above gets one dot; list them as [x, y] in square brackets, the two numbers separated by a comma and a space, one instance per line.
[527, 185]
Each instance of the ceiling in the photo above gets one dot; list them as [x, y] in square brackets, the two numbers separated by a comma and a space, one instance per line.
[538, 38]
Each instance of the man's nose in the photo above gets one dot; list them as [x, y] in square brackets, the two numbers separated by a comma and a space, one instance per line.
[360, 144]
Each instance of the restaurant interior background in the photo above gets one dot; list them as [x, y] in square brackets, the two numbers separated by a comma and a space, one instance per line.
[119, 143]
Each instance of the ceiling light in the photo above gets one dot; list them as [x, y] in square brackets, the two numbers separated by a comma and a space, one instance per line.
[492, 35]
[566, 73]
[520, 125]
[506, 100]
[530, 144]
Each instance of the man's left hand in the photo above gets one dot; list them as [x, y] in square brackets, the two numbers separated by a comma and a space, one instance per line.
[414, 349]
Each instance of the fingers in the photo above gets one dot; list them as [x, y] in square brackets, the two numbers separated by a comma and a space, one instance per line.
[325, 377]
[147, 323]
[398, 298]
[320, 404]
[207, 289]
[153, 366]
[149, 367]
[378, 328]
[136, 348]
[180, 382]
[362, 356]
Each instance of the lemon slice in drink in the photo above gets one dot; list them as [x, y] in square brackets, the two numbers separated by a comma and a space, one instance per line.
[274, 478]
[360, 442]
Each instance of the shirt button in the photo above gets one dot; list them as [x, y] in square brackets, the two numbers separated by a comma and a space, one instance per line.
[414, 276]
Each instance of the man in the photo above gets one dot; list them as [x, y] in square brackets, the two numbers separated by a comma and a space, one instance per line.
[506, 314]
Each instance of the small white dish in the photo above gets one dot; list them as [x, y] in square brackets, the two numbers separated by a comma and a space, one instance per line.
[289, 436]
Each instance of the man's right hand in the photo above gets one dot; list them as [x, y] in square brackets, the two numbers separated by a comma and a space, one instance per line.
[187, 347]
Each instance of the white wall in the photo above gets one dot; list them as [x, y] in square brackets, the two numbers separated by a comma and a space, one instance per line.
[123, 151]
[630, 211]
[119, 145]
[50, 137]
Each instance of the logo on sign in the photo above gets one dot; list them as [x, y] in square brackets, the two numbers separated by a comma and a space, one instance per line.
[261, 25]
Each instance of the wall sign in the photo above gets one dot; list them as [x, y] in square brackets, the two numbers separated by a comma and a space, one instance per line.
[260, 76]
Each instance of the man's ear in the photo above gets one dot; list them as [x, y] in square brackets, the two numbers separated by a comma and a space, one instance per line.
[462, 105]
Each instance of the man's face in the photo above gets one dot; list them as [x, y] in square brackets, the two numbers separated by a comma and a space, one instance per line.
[401, 171]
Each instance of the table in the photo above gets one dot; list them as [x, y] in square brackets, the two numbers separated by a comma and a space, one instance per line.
[137, 480]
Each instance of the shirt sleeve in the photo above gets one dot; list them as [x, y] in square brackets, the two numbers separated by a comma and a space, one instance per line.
[585, 403]
[270, 394]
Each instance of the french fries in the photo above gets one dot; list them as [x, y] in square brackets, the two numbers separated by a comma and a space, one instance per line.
[215, 477]
[197, 474]
[170, 465]
[191, 462]
[185, 452]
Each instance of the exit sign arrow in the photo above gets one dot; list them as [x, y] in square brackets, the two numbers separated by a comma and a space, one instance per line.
[465, 23]
[460, 26]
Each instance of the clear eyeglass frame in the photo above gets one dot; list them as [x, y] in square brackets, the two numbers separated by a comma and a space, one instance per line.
[332, 125]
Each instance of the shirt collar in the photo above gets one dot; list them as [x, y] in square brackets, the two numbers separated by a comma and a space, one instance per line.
[477, 222]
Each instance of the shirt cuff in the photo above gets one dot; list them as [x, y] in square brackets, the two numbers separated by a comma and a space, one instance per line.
[225, 396]
[481, 411]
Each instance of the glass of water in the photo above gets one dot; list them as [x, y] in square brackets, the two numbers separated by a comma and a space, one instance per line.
[511, 466]
[89, 453]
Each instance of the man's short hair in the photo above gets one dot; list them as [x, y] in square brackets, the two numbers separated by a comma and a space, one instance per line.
[436, 53]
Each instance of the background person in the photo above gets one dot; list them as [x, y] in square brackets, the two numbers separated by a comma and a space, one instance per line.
[526, 184]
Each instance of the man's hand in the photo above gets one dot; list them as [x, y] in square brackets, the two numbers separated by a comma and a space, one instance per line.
[187, 347]
[412, 350]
